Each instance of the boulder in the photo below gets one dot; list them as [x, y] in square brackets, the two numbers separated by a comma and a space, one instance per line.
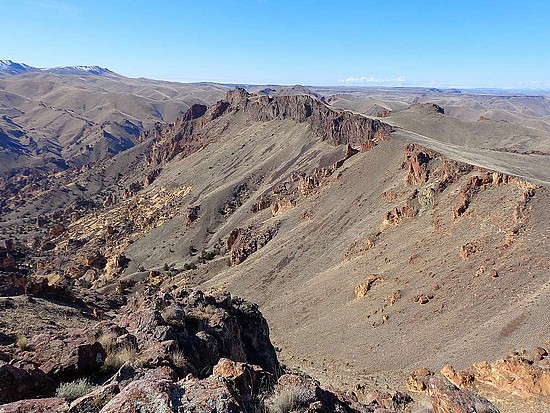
[515, 375]
[94, 401]
[51, 405]
[67, 358]
[160, 396]
[23, 380]
[447, 398]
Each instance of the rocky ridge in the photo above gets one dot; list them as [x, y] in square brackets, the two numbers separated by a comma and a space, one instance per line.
[90, 250]
[185, 136]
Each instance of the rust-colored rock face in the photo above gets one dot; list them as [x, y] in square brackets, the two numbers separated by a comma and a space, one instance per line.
[242, 242]
[515, 375]
[447, 398]
[416, 163]
[336, 127]
[423, 171]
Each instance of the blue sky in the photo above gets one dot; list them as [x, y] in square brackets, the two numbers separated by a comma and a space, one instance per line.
[430, 43]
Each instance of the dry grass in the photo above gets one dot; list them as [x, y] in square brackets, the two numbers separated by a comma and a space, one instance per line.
[179, 359]
[108, 342]
[119, 356]
[287, 400]
[22, 342]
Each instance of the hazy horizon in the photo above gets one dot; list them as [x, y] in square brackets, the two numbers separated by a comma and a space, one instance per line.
[468, 45]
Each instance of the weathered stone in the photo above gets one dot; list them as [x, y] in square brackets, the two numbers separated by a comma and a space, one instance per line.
[514, 375]
[67, 358]
[418, 379]
[52, 405]
[337, 127]
[94, 401]
[23, 381]
[159, 396]
[361, 289]
[242, 242]
[447, 398]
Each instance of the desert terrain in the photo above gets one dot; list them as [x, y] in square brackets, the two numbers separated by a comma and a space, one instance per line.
[385, 234]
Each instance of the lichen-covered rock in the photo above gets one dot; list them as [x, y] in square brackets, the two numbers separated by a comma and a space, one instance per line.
[94, 401]
[51, 405]
[159, 396]
[191, 331]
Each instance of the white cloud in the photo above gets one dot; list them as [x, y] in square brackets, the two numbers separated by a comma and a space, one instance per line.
[372, 79]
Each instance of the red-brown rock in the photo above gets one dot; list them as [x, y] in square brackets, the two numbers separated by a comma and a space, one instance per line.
[23, 381]
[447, 398]
[52, 405]
[67, 358]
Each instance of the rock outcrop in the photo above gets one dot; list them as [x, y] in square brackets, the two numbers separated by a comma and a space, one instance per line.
[242, 242]
[66, 357]
[188, 134]
[174, 352]
[447, 398]
[23, 380]
[515, 374]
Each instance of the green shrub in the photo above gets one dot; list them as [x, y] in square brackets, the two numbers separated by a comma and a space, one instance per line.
[72, 390]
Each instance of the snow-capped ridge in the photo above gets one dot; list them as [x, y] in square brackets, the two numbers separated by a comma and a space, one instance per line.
[10, 67]
[13, 68]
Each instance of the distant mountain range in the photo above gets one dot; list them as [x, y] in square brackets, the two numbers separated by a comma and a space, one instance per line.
[9, 67]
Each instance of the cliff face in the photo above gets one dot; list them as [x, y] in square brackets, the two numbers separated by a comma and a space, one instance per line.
[333, 126]
[336, 127]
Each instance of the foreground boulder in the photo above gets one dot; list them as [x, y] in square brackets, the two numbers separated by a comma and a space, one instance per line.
[192, 331]
[23, 381]
[146, 396]
[52, 405]
[447, 398]
[67, 357]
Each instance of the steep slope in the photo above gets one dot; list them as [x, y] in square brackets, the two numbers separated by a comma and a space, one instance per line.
[368, 254]
[72, 116]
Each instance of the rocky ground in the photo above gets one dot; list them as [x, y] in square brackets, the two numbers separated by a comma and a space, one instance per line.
[378, 257]
[185, 351]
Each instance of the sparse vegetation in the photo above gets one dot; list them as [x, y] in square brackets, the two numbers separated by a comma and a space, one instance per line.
[72, 390]
[207, 256]
[178, 358]
[287, 400]
[108, 342]
[189, 266]
[22, 342]
[119, 356]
